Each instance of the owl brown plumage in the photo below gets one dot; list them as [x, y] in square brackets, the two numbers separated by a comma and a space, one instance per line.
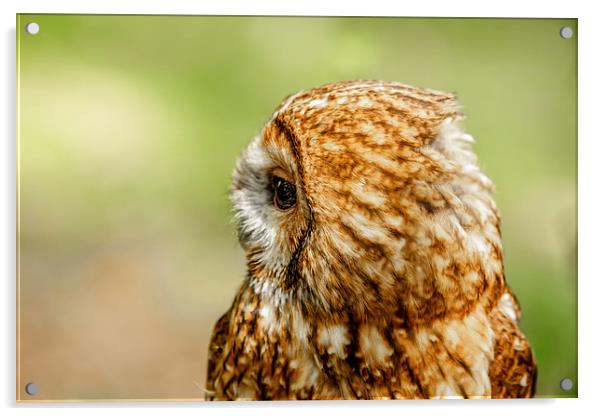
[374, 257]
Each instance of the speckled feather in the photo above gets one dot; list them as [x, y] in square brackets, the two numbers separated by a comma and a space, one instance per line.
[386, 279]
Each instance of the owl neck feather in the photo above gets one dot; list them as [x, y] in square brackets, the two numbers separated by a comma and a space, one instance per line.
[345, 353]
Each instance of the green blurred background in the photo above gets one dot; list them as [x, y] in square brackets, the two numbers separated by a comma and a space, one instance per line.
[129, 127]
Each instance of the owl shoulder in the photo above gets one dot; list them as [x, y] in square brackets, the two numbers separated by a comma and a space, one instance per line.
[219, 339]
[513, 371]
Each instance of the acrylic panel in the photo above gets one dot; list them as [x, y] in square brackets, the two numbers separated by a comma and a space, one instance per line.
[272, 208]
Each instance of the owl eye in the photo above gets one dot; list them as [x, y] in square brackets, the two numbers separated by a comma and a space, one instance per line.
[285, 193]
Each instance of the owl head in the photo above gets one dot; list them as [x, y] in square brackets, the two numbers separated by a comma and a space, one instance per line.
[365, 197]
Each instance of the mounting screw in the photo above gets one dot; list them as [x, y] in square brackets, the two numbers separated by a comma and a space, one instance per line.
[566, 32]
[566, 384]
[31, 389]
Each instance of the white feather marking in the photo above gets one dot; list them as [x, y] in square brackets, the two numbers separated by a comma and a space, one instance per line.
[394, 221]
[365, 102]
[374, 347]
[507, 306]
[317, 103]
[440, 232]
[466, 138]
[445, 390]
[307, 374]
[479, 244]
[440, 262]
[334, 338]
[268, 321]
[380, 160]
[365, 228]
[471, 277]
[332, 146]
[371, 197]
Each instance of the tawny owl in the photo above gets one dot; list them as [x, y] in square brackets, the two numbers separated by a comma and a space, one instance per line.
[374, 257]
